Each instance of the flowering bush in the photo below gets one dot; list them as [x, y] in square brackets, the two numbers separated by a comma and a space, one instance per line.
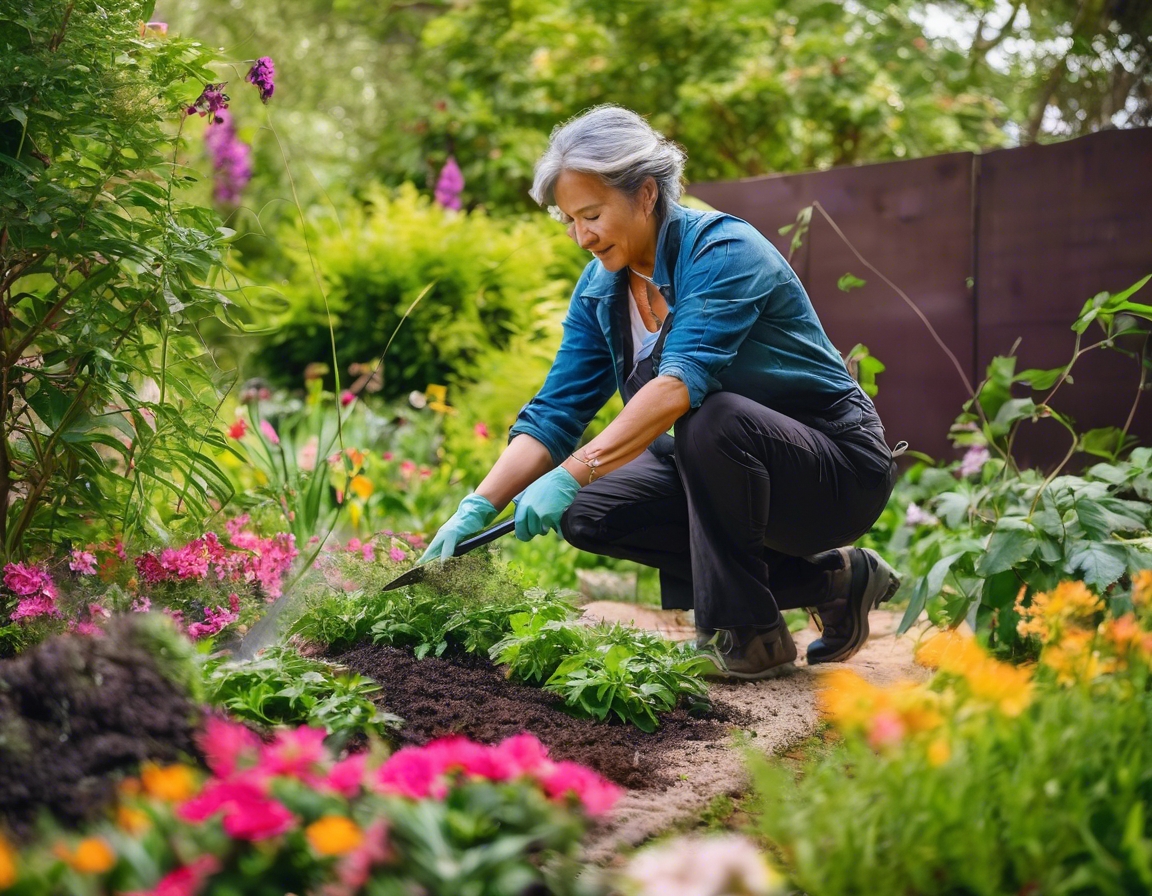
[286, 816]
[1052, 759]
[727, 865]
[207, 585]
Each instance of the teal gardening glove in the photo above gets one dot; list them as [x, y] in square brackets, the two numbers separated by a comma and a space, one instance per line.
[543, 503]
[473, 514]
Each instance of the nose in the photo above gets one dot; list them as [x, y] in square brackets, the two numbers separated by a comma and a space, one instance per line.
[583, 236]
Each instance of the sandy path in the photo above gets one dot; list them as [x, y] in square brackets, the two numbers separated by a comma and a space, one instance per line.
[779, 714]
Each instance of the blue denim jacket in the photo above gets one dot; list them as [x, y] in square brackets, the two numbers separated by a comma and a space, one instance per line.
[741, 322]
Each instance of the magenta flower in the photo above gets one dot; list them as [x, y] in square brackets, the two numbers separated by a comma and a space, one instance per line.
[231, 160]
[39, 605]
[149, 569]
[143, 605]
[269, 432]
[450, 185]
[525, 753]
[346, 398]
[185, 881]
[481, 430]
[263, 75]
[211, 102]
[296, 754]
[346, 777]
[397, 555]
[596, 794]
[83, 562]
[26, 580]
[215, 620]
[247, 812]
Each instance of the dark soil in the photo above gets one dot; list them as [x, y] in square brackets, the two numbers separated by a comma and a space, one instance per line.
[470, 696]
[78, 713]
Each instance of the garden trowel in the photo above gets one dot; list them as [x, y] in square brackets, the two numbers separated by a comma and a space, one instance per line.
[417, 574]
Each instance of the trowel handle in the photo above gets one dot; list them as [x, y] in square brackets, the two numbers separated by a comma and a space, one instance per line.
[484, 537]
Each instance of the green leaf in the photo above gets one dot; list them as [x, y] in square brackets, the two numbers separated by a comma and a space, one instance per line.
[1040, 379]
[1007, 548]
[849, 282]
[1100, 565]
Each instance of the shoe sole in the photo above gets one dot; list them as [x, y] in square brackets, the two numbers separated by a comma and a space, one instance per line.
[774, 672]
[883, 583]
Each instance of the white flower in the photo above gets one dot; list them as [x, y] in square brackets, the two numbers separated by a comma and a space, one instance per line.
[726, 865]
[917, 516]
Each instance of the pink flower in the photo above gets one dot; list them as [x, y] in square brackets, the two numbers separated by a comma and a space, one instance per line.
[425, 472]
[974, 460]
[226, 744]
[150, 570]
[238, 429]
[186, 881]
[917, 516]
[887, 730]
[211, 102]
[31, 607]
[83, 562]
[306, 456]
[481, 430]
[215, 620]
[26, 580]
[99, 611]
[387, 455]
[143, 605]
[346, 398]
[346, 777]
[84, 627]
[269, 432]
[407, 467]
[296, 754]
[412, 772]
[525, 754]
[249, 814]
[450, 185]
[596, 794]
[397, 555]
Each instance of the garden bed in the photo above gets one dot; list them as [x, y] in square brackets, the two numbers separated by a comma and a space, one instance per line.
[470, 696]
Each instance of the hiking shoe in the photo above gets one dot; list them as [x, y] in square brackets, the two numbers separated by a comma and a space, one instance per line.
[748, 653]
[864, 582]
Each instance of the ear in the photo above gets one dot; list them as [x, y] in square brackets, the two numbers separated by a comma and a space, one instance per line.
[649, 192]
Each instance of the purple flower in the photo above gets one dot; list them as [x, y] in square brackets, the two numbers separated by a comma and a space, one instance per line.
[231, 160]
[212, 101]
[973, 461]
[83, 562]
[450, 185]
[262, 74]
[916, 516]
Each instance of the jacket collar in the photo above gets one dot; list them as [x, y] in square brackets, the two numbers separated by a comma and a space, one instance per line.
[604, 284]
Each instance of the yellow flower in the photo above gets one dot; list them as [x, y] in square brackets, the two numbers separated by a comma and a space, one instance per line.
[91, 856]
[939, 752]
[951, 651]
[1069, 604]
[333, 835]
[354, 515]
[173, 783]
[362, 487]
[1006, 686]
[1075, 658]
[438, 399]
[847, 699]
[132, 820]
[7, 864]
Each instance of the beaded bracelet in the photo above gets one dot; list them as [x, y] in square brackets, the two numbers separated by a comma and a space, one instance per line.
[590, 464]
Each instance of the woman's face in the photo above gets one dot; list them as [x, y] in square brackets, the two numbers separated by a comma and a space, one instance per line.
[618, 230]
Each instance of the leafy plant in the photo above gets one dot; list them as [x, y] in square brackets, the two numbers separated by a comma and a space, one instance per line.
[603, 671]
[281, 687]
[108, 398]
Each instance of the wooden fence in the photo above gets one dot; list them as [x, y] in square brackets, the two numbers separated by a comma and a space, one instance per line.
[992, 248]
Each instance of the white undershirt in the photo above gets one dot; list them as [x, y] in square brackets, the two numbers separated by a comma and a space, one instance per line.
[642, 341]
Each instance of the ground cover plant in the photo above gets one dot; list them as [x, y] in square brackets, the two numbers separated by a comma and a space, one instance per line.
[288, 816]
[1052, 758]
[280, 687]
[474, 608]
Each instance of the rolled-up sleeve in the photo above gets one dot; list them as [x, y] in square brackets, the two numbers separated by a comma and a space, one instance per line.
[723, 288]
[581, 380]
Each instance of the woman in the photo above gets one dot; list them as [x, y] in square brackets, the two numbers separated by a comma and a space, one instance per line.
[778, 458]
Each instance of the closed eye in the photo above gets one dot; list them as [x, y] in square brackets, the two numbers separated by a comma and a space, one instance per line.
[591, 217]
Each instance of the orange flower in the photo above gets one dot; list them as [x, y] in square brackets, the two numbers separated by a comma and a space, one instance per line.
[1006, 686]
[1069, 604]
[333, 835]
[939, 752]
[1142, 588]
[173, 783]
[1075, 658]
[362, 487]
[7, 864]
[92, 855]
[132, 820]
[886, 714]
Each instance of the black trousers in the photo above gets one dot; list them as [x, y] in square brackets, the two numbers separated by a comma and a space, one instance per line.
[733, 515]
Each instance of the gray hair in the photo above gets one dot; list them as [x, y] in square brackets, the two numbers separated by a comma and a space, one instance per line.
[616, 145]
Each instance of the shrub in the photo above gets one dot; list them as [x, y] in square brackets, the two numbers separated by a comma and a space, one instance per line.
[108, 398]
[483, 276]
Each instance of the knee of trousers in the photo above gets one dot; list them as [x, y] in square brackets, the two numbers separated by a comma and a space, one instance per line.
[718, 420]
[580, 526]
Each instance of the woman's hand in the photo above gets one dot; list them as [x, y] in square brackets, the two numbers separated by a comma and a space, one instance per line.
[543, 503]
[474, 513]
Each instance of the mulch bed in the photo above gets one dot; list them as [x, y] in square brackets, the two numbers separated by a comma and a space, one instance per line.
[471, 696]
